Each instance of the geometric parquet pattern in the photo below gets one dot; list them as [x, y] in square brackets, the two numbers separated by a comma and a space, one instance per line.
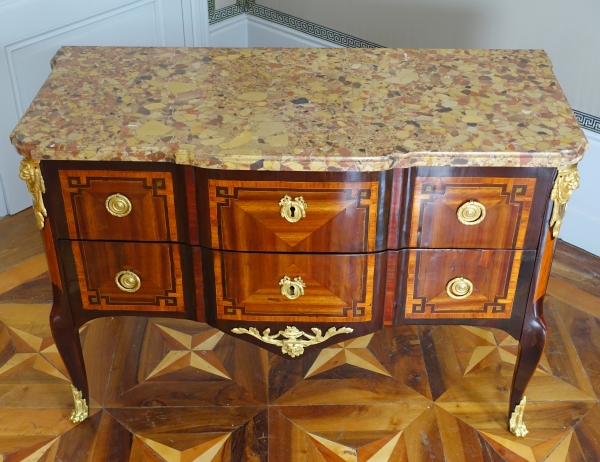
[179, 391]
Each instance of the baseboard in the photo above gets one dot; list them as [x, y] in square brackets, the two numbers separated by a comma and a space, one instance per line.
[263, 33]
[229, 33]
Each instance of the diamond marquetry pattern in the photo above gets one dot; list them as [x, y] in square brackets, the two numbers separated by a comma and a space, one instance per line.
[246, 216]
[186, 350]
[353, 352]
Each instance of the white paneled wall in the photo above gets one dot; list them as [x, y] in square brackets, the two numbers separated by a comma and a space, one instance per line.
[31, 31]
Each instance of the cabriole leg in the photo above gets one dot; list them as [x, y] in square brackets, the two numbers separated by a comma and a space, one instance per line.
[531, 347]
[68, 343]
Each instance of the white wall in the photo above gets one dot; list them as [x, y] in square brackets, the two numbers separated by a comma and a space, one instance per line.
[581, 226]
[230, 33]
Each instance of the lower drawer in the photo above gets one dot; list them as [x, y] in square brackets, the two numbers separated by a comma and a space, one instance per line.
[463, 284]
[117, 276]
[288, 288]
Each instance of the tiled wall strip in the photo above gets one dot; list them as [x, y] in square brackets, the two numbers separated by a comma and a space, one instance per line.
[215, 16]
[310, 28]
[587, 121]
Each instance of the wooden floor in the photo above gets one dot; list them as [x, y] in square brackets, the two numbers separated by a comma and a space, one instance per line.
[165, 390]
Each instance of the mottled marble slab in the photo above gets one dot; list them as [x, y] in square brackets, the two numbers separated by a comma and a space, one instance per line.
[302, 109]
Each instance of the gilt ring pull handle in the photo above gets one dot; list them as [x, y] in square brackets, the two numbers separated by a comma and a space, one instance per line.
[471, 213]
[459, 288]
[293, 210]
[292, 289]
[128, 281]
[118, 205]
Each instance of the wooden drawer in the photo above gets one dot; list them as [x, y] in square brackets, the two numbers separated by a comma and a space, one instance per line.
[472, 212]
[119, 205]
[328, 288]
[464, 284]
[106, 275]
[251, 216]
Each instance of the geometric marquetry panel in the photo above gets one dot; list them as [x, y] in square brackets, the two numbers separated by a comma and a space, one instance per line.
[493, 275]
[157, 267]
[338, 288]
[339, 217]
[150, 194]
[436, 201]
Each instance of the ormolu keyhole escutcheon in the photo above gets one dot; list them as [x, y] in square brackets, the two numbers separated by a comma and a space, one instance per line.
[292, 289]
[293, 210]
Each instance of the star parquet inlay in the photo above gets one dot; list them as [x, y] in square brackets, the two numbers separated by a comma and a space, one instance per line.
[178, 391]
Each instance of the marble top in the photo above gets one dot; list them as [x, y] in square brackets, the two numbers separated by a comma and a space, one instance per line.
[302, 109]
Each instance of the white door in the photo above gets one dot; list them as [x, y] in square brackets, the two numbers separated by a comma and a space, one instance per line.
[31, 31]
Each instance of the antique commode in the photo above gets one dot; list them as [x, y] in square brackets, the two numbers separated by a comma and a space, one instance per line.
[301, 197]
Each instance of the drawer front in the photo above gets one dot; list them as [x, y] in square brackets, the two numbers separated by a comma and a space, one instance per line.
[128, 276]
[465, 283]
[293, 216]
[297, 287]
[471, 212]
[119, 205]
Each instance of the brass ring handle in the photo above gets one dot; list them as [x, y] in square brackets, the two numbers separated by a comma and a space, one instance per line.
[128, 281]
[293, 210]
[118, 205]
[471, 213]
[459, 288]
[292, 289]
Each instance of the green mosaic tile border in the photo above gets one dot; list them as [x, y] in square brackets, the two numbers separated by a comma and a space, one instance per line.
[215, 16]
[588, 121]
[310, 28]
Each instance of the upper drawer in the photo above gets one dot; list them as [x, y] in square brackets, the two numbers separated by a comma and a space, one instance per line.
[293, 216]
[119, 205]
[471, 212]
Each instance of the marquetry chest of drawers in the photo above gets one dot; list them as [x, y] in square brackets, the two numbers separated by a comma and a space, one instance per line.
[295, 198]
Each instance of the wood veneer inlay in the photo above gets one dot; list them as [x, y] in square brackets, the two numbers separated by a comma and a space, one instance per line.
[340, 217]
[494, 274]
[339, 288]
[152, 217]
[157, 265]
[436, 200]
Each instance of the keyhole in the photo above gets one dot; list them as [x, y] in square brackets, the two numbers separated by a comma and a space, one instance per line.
[292, 288]
[292, 211]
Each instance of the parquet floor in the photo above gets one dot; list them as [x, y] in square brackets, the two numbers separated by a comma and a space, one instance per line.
[165, 390]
